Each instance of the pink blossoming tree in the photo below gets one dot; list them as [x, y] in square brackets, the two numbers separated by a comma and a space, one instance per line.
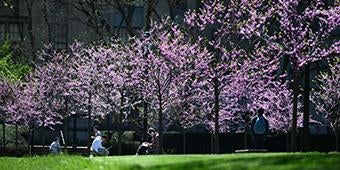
[297, 29]
[327, 97]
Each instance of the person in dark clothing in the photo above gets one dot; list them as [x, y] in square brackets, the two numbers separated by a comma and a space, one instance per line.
[259, 129]
[151, 146]
[55, 146]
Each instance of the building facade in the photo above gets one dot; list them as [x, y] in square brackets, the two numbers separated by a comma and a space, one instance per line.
[61, 22]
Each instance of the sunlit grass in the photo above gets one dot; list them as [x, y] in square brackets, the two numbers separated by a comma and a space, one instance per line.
[185, 162]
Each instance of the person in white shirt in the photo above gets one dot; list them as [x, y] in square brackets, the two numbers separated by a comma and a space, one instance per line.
[96, 132]
[55, 146]
[97, 147]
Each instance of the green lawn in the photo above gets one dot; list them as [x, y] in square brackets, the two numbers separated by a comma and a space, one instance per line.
[269, 161]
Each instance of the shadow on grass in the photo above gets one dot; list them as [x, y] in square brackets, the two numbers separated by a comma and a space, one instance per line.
[284, 162]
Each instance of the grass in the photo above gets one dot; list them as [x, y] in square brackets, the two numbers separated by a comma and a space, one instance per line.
[267, 161]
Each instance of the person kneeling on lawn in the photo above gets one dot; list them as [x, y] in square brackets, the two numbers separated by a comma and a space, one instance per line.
[149, 147]
[97, 147]
[55, 146]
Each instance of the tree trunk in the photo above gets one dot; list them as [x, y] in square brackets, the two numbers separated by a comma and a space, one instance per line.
[65, 134]
[184, 140]
[112, 119]
[3, 137]
[305, 135]
[287, 142]
[47, 22]
[16, 139]
[216, 111]
[32, 142]
[294, 115]
[119, 137]
[245, 139]
[66, 125]
[337, 144]
[74, 145]
[160, 124]
[212, 143]
[120, 132]
[89, 125]
[145, 104]
[28, 139]
[108, 116]
[147, 16]
[43, 136]
[145, 120]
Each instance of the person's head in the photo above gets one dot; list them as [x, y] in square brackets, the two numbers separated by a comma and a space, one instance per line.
[260, 112]
[56, 139]
[95, 128]
[151, 131]
[104, 138]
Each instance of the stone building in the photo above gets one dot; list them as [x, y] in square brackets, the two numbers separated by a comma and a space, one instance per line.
[64, 21]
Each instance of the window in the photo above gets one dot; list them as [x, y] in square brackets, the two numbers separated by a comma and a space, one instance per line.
[60, 36]
[117, 22]
[179, 7]
[13, 32]
[115, 19]
[122, 34]
[138, 3]
[138, 17]
[10, 31]
[2, 32]
[178, 3]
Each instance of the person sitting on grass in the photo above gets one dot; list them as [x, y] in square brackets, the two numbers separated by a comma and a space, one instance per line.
[149, 147]
[259, 129]
[55, 146]
[97, 147]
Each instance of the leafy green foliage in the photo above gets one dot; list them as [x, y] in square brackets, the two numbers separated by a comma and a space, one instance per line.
[12, 69]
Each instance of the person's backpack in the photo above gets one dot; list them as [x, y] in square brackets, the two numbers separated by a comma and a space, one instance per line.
[259, 126]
